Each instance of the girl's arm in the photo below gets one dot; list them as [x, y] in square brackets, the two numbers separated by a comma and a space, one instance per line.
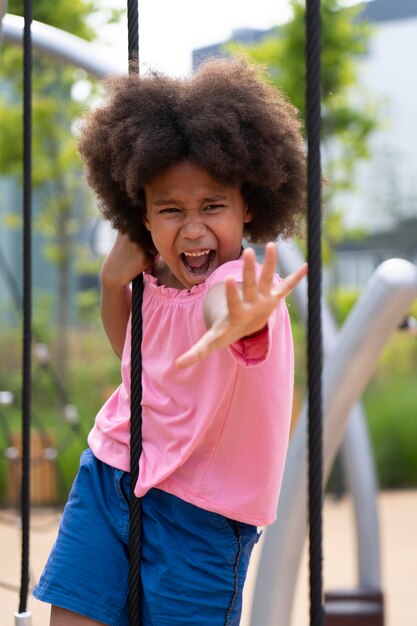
[124, 261]
[233, 311]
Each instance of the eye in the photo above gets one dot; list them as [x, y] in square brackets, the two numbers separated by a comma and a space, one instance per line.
[213, 207]
[168, 211]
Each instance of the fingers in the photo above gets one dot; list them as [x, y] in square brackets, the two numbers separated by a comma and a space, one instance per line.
[268, 269]
[187, 359]
[233, 297]
[253, 288]
[203, 347]
[291, 281]
[250, 287]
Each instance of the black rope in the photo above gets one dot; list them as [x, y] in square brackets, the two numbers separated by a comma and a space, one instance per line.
[27, 300]
[314, 349]
[133, 30]
[135, 504]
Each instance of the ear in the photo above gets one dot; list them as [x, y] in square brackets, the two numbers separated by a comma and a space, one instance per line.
[248, 217]
[146, 223]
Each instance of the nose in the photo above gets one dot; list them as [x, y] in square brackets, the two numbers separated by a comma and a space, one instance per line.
[193, 227]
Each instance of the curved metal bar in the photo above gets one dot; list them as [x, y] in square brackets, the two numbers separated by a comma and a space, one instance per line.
[64, 46]
[356, 454]
[359, 473]
[348, 368]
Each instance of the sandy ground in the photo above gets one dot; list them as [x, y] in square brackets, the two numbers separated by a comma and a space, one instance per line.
[398, 515]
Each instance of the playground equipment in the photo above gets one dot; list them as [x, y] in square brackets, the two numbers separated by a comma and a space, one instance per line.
[62, 45]
[347, 369]
[355, 450]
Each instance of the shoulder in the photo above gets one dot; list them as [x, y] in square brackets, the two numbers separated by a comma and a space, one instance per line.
[235, 269]
[232, 268]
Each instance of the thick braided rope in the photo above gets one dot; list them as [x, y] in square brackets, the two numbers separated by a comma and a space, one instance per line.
[314, 330]
[133, 29]
[135, 504]
[27, 301]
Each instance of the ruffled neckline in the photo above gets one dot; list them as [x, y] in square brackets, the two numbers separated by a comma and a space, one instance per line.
[172, 292]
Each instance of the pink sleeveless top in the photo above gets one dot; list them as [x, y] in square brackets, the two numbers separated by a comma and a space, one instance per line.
[215, 434]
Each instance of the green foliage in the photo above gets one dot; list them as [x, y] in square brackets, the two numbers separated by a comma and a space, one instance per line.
[347, 112]
[341, 302]
[390, 403]
[54, 144]
[88, 307]
[56, 173]
[94, 373]
[413, 309]
[391, 406]
[42, 316]
[56, 166]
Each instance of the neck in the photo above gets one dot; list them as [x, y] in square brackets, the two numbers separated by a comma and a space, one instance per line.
[164, 275]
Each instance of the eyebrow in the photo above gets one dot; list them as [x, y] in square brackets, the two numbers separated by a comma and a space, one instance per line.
[167, 201]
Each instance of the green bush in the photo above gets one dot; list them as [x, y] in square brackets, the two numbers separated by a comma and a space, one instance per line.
[391, 406]
[392, 421]
[94, 372]
[341, 302]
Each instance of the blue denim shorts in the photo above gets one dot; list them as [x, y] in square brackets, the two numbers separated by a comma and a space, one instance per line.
[194, 562]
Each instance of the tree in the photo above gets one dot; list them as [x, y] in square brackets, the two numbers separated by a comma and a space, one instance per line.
[56, 166]
[348, 114]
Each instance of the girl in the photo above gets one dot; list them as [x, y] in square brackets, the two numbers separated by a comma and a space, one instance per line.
[185, 169]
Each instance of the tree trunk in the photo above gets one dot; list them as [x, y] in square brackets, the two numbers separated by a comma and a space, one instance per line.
[64, 268]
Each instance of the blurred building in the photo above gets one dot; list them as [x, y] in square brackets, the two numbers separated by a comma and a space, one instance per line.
[387, 183]
[356, 259]
[245, 36]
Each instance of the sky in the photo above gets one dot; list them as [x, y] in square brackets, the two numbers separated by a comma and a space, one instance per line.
[170, 29]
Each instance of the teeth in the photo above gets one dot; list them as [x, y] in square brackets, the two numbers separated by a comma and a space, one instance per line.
[197, 253]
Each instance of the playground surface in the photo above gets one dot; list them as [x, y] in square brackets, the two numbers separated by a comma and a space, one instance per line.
[398, 514]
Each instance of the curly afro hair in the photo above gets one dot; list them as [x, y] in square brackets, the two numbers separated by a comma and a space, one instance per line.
[224, 119]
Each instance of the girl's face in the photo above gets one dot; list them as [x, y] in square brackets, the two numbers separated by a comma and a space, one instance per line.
[195, 221]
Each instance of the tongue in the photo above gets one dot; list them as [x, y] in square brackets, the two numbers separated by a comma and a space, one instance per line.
[196, 262]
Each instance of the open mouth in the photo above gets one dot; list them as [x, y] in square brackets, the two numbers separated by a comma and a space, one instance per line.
[198, 263]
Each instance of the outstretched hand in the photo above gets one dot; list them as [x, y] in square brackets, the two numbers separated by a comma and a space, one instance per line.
[241, 310]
